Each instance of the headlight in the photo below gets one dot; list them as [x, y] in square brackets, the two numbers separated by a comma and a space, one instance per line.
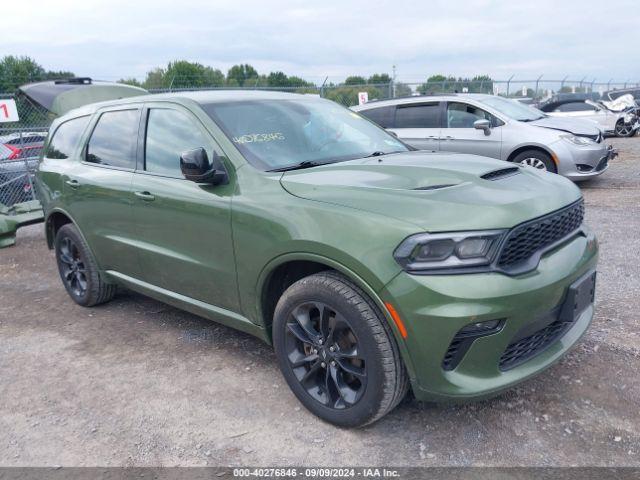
[433, 251]
[580, 141]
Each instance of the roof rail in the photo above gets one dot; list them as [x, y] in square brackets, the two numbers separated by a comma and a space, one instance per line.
[74, 81]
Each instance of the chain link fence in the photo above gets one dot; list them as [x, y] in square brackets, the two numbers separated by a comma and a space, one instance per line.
[20, 149]
[21, 142]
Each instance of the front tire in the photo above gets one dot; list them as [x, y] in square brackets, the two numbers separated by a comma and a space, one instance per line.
[623, 130]
[79, 270]
[536, 159]
[337, 352]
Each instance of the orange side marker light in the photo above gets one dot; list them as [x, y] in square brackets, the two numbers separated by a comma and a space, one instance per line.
[396, 319]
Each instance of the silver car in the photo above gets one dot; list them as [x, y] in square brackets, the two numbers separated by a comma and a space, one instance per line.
[496, 127]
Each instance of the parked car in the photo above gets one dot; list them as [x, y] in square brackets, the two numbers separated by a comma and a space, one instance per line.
[493, 126]
[370, 266]
[19, 153]
[619, 117]
[615, 94]
[18, 145]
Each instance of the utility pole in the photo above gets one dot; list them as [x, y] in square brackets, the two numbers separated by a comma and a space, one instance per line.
[393, 84]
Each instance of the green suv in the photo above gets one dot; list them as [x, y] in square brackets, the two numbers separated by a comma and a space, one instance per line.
[370, 267]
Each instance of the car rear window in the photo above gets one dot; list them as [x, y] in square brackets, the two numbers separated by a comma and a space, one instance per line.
[383, 116]
[114, 139]
[66, 138]
[418, 116]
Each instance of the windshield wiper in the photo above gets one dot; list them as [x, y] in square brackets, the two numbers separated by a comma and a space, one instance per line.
[298, 166]
[377, 153]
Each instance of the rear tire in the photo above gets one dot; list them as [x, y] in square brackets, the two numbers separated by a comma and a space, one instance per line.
[79, 270]
[337, 351]
[536, 159]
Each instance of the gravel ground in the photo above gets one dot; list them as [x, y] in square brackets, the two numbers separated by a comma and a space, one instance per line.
[136, 382]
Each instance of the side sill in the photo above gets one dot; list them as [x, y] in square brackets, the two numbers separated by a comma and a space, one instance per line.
[202, 309]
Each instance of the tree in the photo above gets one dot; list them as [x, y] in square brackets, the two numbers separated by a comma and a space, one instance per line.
[130, 81]
[299, 82]
[402, 89]
[184, 74]
[278, 79]
[438, 84]
[481, 84]
[155, 79]
[16, 71]
[239, 74]
[355, 80]
[348, 95]
[379, 79]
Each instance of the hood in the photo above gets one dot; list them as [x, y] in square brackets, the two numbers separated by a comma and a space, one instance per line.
[577, 126]
[436, 192]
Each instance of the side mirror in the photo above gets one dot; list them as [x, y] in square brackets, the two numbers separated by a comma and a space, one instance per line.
[484, 125]
[195, 166]
[392, 133]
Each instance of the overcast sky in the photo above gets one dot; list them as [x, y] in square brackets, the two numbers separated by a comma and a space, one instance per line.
[116, 38]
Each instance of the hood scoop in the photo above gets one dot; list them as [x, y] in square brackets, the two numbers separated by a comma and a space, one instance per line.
[436, 187]
[502, 173]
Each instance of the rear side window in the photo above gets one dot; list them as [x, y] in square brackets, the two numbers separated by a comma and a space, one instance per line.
[66, 138]
[574, 107]
[169, 133]
[418, 116]
[383, 116]
[114, 139]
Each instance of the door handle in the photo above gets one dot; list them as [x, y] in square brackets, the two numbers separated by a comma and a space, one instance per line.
[73, 183]
[449, 137]
[146, 196]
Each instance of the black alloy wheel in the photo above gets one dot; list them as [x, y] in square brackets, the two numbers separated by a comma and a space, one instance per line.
[72, 267]
[322, 350]
[78, 269]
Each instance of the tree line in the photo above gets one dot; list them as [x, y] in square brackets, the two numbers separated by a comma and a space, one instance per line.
[182, 74]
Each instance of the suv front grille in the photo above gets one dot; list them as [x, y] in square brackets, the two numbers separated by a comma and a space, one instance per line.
[529, 238]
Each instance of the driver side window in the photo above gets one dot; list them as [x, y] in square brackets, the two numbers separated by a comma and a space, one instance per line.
[169, 133]
[462, 115]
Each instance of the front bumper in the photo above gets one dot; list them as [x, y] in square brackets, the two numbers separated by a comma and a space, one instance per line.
[435, 308]
[582, 162]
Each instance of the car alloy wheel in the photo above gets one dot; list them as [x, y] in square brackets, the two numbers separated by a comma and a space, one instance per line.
[623, 130]
[322, 350]
[534, 162]
[72, 267]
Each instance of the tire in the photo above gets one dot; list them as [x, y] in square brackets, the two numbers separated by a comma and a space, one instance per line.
[79, 270]
[365, 360]
[536, 159]
[622, 130]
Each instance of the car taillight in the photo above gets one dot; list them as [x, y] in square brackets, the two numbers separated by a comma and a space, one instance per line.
[15, 152]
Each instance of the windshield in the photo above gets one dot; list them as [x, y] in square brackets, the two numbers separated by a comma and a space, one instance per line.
[513, 109]
[276, 134]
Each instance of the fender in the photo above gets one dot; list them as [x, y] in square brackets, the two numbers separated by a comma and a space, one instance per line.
[352, 276]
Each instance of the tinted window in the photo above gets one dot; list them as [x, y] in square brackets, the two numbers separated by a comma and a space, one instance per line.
[113, 141]
[26, 139]
[169, 133]
[463, 115]
[574, 107]
[383, 116]
[66, 138]
[418, 116]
